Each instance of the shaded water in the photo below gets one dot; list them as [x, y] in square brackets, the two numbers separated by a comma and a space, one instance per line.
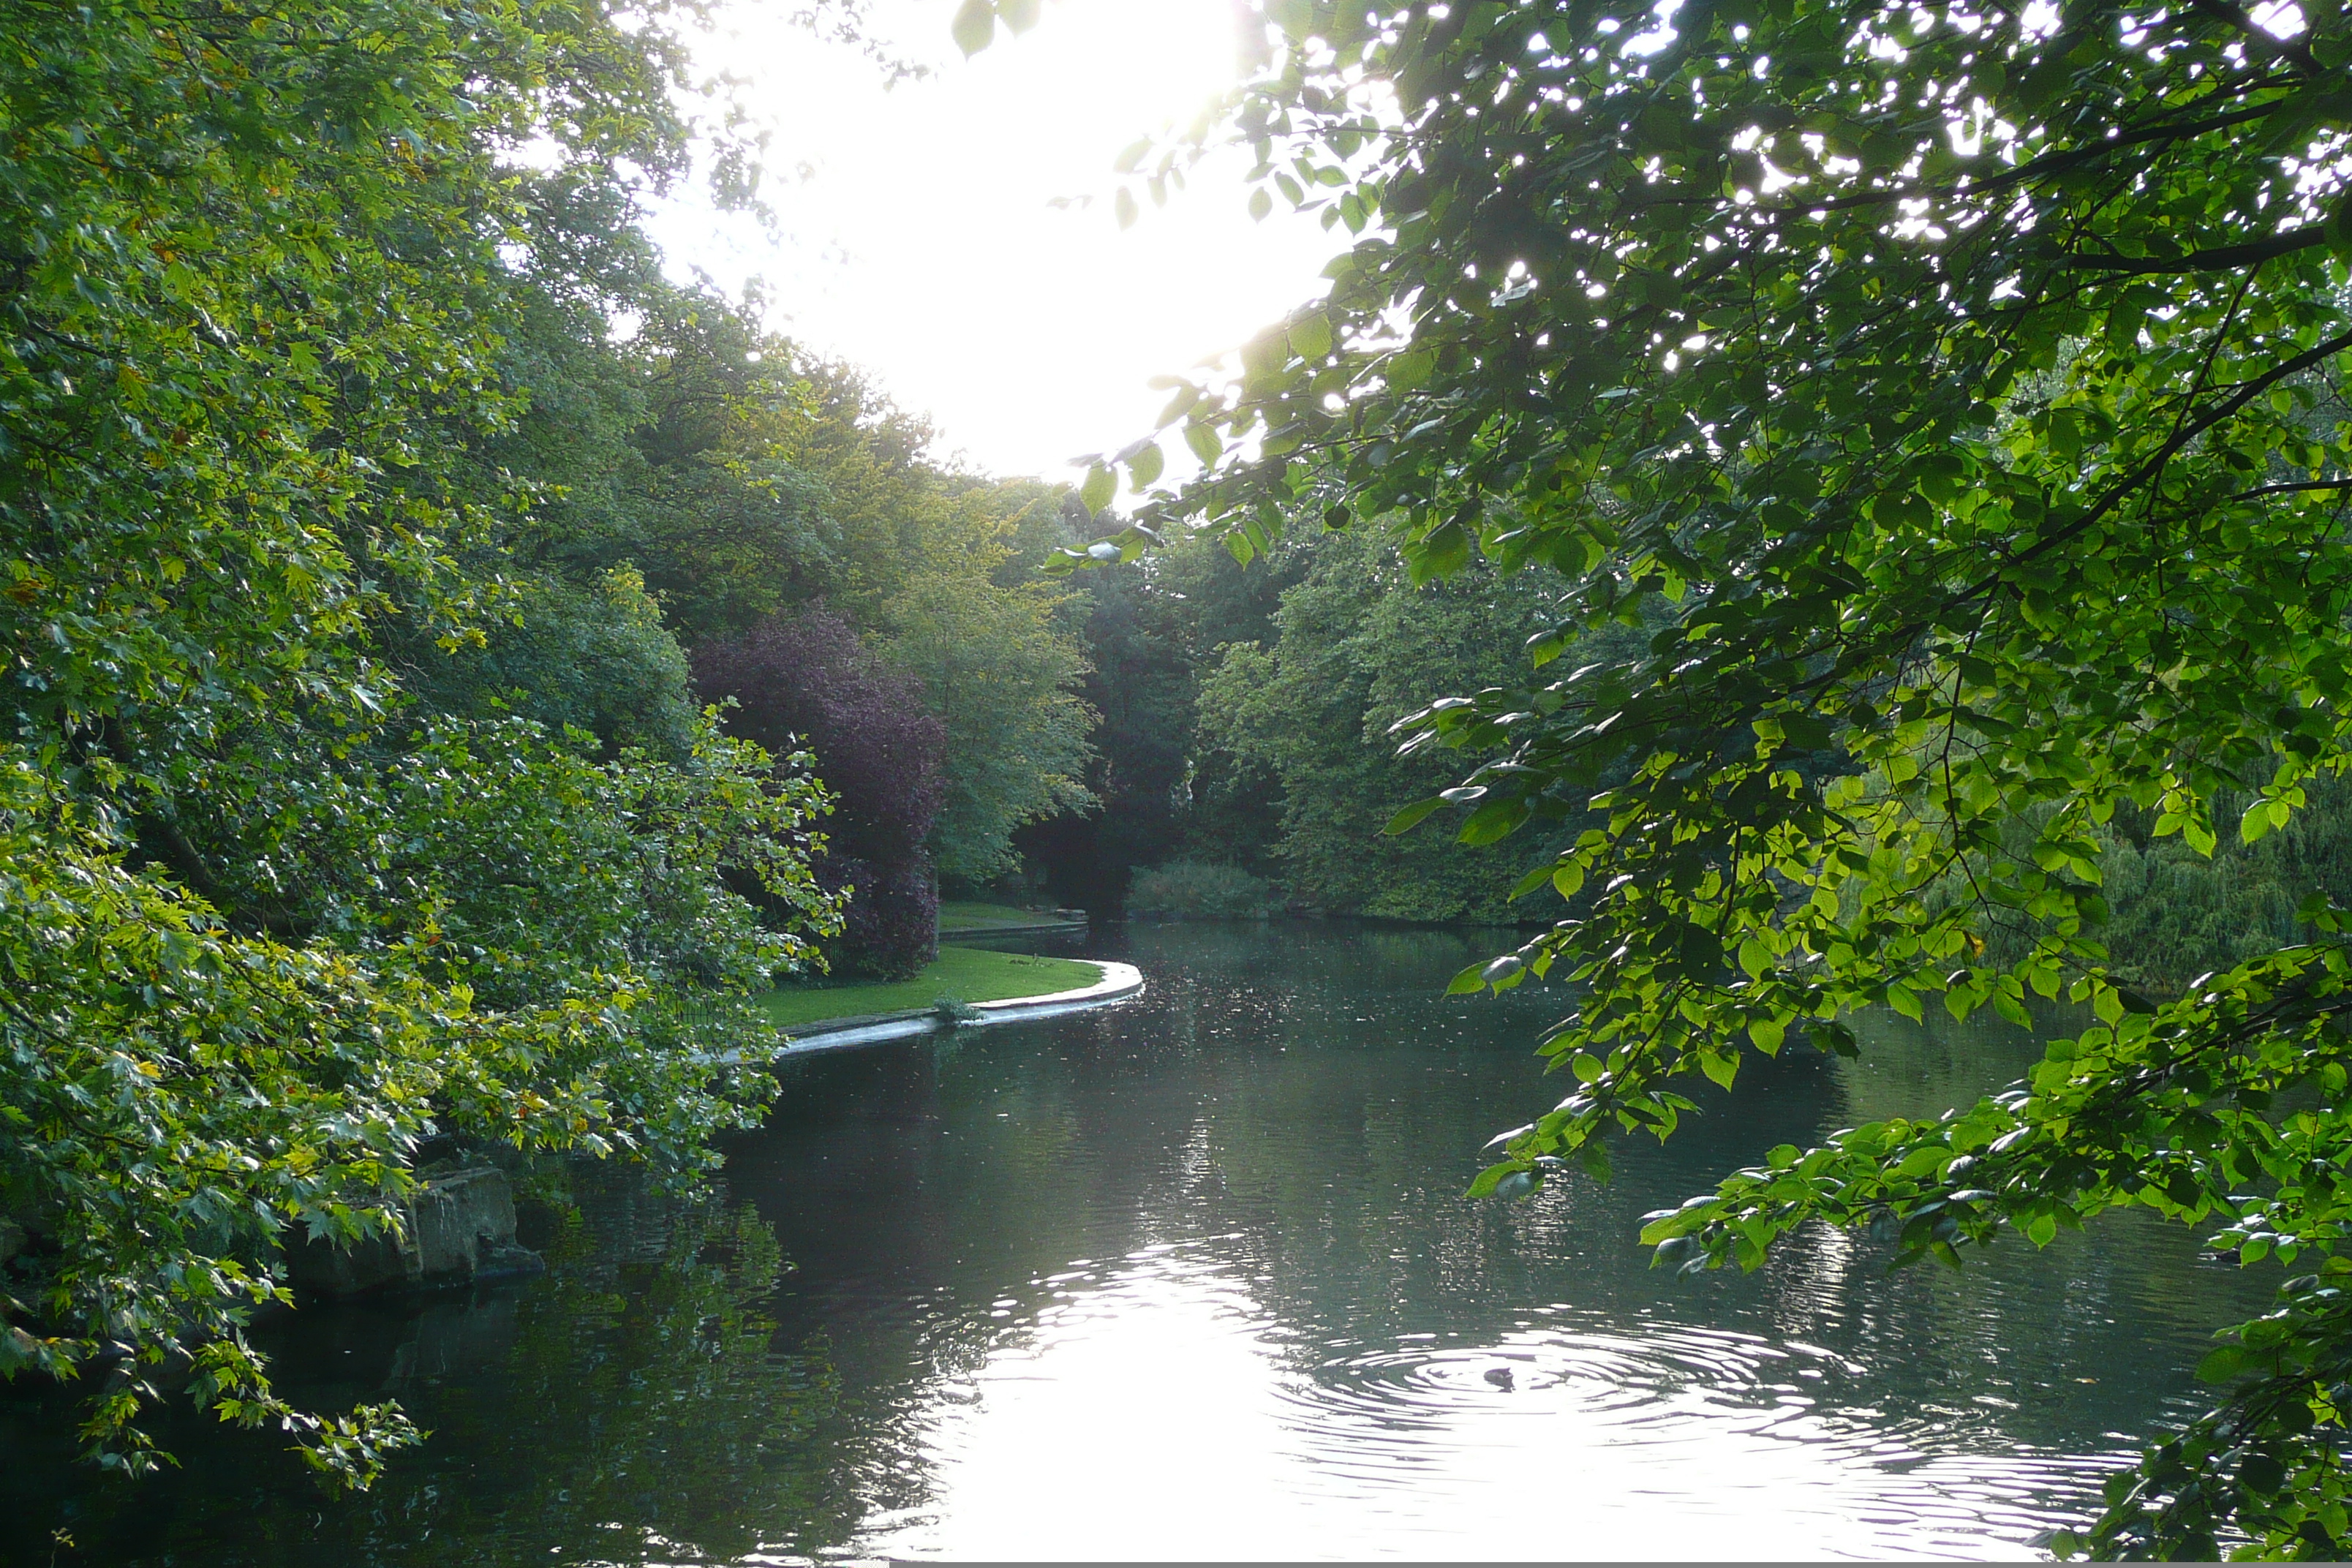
[1193, 1277]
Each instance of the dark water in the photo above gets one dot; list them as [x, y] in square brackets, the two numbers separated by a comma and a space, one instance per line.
[1193, 1278]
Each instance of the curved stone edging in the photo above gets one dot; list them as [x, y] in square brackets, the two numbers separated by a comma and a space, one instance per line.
[1119, 981]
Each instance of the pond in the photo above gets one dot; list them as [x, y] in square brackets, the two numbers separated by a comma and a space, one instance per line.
[1193, 1277]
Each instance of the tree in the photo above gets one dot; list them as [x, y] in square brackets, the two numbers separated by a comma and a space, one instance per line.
[805, 679]
[273, 921]
[1139, 683]
[678, 453]
[998, 671]
[1358, 649]
[1963, 382]
[595, 659]
[935, 565]
[1166, 790]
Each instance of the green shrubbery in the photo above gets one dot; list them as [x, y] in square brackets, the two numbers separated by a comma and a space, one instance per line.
[1197, 889]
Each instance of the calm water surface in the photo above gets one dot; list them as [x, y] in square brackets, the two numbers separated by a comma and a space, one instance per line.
[1193, 1277]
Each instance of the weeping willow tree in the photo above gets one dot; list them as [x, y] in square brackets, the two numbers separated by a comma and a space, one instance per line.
[1960, 383]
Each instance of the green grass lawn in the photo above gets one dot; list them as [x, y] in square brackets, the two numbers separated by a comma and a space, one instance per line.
[966, 974]
[964, 915]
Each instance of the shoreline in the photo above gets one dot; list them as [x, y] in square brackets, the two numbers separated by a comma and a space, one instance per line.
[1047, 928]
[1119, 982]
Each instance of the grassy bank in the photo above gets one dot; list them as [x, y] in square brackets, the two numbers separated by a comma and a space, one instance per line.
[963, 914]
[966, 974]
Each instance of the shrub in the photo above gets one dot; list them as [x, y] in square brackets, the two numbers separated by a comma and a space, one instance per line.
[1200, 891]
[891, 929]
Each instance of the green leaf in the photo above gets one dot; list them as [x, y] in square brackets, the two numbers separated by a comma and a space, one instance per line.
[1484, 1184]
[1674, 1251]
[1528, 883]
[1099, 487]
[974, 25]
[1405, 371]
[1494, 821]
[1403, 821]
[2222, 1364]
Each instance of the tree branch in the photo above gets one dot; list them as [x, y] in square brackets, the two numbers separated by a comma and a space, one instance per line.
[2221, 259]
[183, 857]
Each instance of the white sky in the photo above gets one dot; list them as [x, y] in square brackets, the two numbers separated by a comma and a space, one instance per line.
[922, 242]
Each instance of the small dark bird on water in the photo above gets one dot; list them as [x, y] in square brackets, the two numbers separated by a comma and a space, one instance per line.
[1500, 1376]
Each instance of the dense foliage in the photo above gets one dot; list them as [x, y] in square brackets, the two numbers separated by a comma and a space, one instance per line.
[1000, 665]
[1959, 386]
[1163, 787]
[1201, 890]
[363, 484]
[804, 676]
[1358, 649]
[777, 481]
[328, 835]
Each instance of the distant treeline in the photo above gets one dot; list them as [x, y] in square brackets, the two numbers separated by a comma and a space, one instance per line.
[1243, 756]
[1243, 764]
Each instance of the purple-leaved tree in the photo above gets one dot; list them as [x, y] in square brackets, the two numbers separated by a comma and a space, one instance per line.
[802, 678]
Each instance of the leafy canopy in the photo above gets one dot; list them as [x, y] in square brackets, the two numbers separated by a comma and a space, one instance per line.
[292, 899]
[1964, 383]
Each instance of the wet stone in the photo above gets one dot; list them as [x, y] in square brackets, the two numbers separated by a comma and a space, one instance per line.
[459, 1229]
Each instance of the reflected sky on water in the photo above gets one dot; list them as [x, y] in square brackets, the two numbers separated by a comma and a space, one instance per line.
[1193, 1278]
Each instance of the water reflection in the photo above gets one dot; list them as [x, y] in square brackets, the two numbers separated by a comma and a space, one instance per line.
[631, 1408]
[1236, 1300]
[1193, 1278]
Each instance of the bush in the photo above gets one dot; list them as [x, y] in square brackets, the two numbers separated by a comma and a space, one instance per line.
[891, 929]
[1200, 891]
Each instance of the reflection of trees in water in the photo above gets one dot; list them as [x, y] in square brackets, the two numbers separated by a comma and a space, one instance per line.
[1247, 1100]
[1292, 1106]
[632, 1403]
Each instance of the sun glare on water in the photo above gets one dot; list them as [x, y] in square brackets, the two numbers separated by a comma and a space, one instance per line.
[954, 234]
